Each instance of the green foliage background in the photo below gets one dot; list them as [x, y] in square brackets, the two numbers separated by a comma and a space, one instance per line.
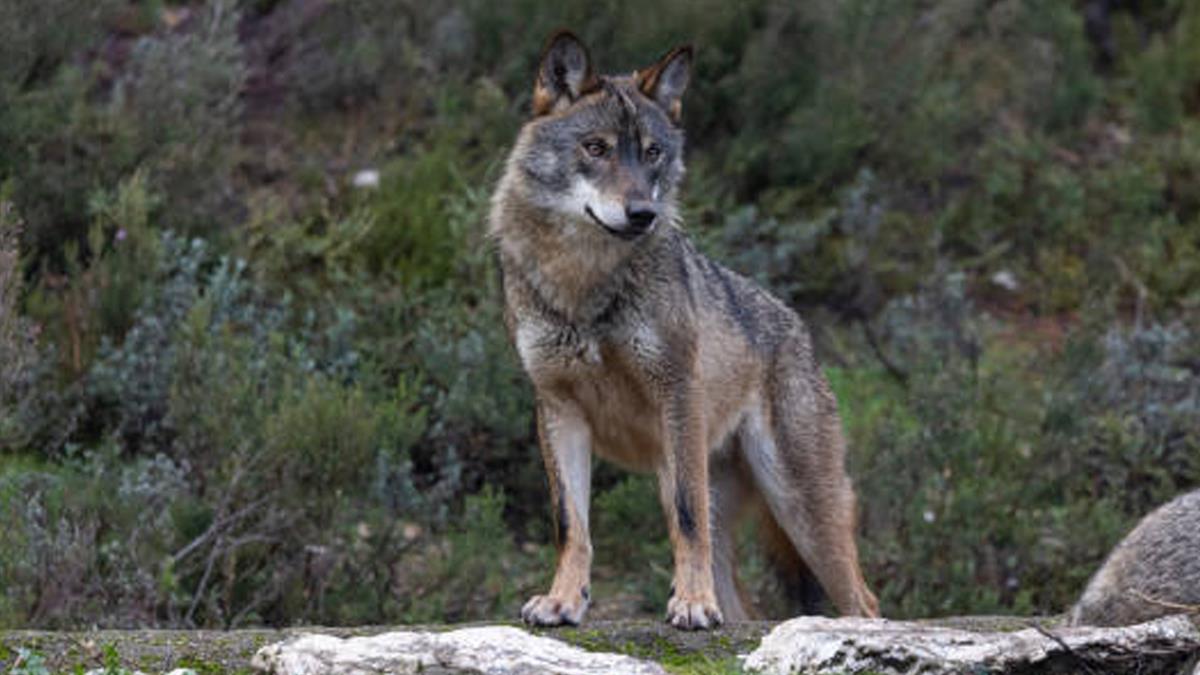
[237, 389]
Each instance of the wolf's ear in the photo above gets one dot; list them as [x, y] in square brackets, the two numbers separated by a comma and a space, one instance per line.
[564, 74]
[665, 81]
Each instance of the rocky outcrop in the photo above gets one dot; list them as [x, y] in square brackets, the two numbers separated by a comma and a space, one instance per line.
[821, 645]
[976, 644]
[499, 650]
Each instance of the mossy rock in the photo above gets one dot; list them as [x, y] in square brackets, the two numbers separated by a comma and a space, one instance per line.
[211, 652]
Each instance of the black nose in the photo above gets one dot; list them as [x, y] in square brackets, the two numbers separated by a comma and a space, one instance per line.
[640, 215]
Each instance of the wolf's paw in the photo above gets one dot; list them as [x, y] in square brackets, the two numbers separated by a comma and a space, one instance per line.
[549, 610]
[693, 614]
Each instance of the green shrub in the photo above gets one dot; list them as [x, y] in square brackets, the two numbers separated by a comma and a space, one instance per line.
[304, 467]
[17, 350]
[102, 285]
[1163, 76]
[182, 93]
[130, 381]
[945, 458]
[354, 52]
[174, 111]
[124, 246]
[1045, 458]
[629, 536]
[471, 576]
[427, 214]
[326, 438]
[846, 249]
[87, 538]
[36, 37]
[1128, 412]
[59, 147]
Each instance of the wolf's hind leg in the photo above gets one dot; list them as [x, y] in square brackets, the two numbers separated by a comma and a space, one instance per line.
[795, 451]
[565, 440]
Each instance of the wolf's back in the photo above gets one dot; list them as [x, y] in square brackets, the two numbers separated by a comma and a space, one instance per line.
[741, 304]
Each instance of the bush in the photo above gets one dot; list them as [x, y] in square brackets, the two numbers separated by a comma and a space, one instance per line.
[470, 576]
[86, 540]
[17, 349]
[293, 489]
[948, 454]
[182, 94]
[102, 285]
[1164, 75]
[273, 450]
[1046, 472]
[1126, 413]
[347, 54]
[62, 148]
[67, 129]
[630, 541]
[37, 37]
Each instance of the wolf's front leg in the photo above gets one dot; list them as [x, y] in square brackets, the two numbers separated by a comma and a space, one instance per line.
[566, 449]
[683, 488]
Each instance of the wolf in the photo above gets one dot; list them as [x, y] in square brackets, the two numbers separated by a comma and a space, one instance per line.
[646, 353]
[1153, 572]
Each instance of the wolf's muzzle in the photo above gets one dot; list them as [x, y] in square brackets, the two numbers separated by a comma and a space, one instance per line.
[634, 226]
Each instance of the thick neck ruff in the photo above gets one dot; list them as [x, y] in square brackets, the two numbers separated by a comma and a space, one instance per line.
[574, 273]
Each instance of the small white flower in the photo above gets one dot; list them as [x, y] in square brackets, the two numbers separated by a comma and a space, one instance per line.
[367, 178]
[928, 516]
[1006, 280]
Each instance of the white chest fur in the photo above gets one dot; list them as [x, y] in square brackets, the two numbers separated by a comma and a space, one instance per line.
[544, 346]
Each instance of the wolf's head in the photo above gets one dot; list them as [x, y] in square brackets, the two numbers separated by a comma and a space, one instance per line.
[603, 151]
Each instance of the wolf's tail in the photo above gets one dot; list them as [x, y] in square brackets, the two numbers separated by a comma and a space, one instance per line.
[802, 593]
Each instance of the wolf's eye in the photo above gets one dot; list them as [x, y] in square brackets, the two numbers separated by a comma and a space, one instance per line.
[595, 147]
[653, 152]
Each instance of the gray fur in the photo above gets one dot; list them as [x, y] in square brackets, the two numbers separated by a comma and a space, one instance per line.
[1153, 572]
[653, 356]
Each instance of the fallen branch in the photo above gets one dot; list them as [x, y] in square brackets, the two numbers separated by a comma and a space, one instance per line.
[1174, 607]
[1083, 660]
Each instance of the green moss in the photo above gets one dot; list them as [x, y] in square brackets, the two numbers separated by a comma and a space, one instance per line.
[202, 667]
[703, 665]
[679, 652]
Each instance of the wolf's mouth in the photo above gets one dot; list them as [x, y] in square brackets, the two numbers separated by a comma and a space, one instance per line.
[630, 232]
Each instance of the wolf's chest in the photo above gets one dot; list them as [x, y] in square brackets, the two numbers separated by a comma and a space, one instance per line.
[558, 350]
[609, 378]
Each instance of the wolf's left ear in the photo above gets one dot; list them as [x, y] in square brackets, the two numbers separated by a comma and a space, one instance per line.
[564, 74]
[665, 81]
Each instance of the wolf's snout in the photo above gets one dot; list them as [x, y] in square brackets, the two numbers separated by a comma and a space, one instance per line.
[640, 215]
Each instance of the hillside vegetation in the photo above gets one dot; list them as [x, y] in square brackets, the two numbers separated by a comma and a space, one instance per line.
[238, 389]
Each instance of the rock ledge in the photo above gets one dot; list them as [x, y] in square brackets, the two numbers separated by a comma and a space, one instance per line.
[499, 650]
[821, 645]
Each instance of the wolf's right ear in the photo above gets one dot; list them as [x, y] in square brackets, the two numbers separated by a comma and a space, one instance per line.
[564, 74]
[665, 81]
